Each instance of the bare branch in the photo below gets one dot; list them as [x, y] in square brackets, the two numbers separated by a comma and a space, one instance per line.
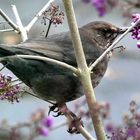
[28, 27]
[38, 97]
[9, 21]
[73, 69]
[114, 43]
[58, 125]
[80, 57]
[84, 75]
[6, 30]
[19, 27]
[85, 133]
[80, 128]
[19, 23]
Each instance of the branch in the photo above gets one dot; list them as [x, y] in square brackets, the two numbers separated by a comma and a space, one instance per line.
[73, 69]
[85, 133]
[38, 97]
[80, 128]
[114, 43]
[23, 31]
[28, 27]
[58, 125]
[76, 40]
[84, 75]
[10, 22]
[6, 30]
[53, 61]
[19, 27]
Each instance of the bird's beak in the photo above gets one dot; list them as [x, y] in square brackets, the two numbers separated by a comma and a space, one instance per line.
[123, 29]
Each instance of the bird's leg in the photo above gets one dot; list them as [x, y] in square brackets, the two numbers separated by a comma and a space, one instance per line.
[74, 124]
[73, 120]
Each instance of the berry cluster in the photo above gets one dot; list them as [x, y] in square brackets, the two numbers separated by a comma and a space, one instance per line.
[43, 122]
[136, 30]
[47, 123]
[102, 6]
[54, 15]
[130, 128]
[8, 91]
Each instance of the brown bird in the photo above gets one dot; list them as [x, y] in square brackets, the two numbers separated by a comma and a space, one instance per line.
[54, 82]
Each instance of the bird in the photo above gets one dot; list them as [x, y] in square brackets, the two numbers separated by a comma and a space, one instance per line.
[53, 82]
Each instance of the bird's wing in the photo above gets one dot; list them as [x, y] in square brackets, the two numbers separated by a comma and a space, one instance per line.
[57, 46]
[27, 69]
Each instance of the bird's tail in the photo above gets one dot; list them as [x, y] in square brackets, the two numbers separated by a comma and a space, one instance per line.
[6, 50]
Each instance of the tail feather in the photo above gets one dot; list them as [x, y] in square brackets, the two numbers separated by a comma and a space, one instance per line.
[6, 51]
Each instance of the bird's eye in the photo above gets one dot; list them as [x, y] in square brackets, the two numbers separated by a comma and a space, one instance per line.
[107, 32]
[104, 31]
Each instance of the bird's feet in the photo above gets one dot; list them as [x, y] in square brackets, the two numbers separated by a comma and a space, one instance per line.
[73, 121]
[55, 108]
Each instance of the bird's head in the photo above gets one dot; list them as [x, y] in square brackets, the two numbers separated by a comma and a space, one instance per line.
[102, 33]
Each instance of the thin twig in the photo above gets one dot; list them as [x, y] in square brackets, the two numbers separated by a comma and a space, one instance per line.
[73, 69]
[34, 95]
[19, 23]
[114, 43]
[85, 133]
[28, 27]
[20, 83]
[48, 29]
[9, 21]
[16, 80]
[6, 30]
[58, 125]
[2, 68]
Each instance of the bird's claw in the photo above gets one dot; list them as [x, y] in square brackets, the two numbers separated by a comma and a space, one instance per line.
[73, 131]
[55, 109]
[74, 124]
[58, 114]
